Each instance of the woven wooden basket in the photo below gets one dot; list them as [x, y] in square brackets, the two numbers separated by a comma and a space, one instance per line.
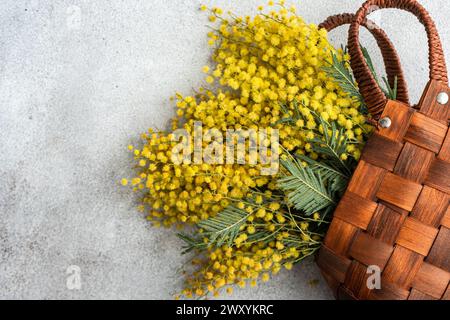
[395, 216]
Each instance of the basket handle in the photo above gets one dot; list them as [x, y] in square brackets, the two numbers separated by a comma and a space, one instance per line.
[373, 95]
[391, 59]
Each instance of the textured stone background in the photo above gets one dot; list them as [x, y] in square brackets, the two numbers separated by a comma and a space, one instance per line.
[81, 79]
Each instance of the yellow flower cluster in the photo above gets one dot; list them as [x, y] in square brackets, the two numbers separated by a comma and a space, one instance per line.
[261, 63]
[227, 266]
[285, 242]
[268, 72]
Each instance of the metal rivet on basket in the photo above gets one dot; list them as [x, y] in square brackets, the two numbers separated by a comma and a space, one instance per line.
[385, 122]
[442, 98]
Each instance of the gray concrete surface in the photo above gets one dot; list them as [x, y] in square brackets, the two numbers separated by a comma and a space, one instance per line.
[81, 79]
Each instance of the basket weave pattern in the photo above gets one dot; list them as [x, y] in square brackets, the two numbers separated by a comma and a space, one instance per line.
[395, 214]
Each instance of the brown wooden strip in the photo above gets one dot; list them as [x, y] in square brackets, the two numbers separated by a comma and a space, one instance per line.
[399, 191]
[444, 153]
[385, 224]
[416, 236]
[446, 219]
[446, 295]
[395, 208]
[356, 280]
[339, 236]
[439, 175]
[402, 267]
[414, 163]
[400, 115]
[431, 280]
[389, 291]
[428, 103]
[426, 132]
[366, 180]
[417, 295]
[356, 210]
[431, 206]
[440, 251]
[370, 251]
[333, 264]
[381, 152]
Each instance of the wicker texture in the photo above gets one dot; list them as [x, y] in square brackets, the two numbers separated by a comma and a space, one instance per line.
[390, 57]
[373, 95]
[395, 213]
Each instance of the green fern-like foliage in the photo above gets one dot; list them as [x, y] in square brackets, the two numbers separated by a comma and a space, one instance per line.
[191, 243]
[316, 186]
[335, 179]
[331, 145]
[304, 187]
[341, 73]
[222, 228]
[389, 92]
